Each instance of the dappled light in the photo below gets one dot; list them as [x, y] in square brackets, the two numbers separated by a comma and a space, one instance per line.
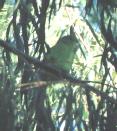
[58, 65]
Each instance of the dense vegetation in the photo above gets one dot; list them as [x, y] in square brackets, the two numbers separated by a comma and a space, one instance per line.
[58, 63]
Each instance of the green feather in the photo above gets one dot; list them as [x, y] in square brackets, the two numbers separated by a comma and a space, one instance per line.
[62, 54]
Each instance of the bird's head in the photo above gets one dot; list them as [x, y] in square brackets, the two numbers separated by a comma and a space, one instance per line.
[70, 39]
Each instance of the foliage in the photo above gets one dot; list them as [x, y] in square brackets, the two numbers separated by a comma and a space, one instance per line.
[78, 91]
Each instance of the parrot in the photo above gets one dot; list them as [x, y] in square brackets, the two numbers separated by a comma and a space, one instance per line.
[61, 55]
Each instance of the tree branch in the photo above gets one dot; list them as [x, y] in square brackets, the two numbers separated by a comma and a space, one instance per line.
[59, 73]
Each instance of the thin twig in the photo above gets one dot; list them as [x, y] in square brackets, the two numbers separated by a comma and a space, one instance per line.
[59, 73]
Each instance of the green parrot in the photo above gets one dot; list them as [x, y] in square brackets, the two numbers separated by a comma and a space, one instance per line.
[61, 55]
